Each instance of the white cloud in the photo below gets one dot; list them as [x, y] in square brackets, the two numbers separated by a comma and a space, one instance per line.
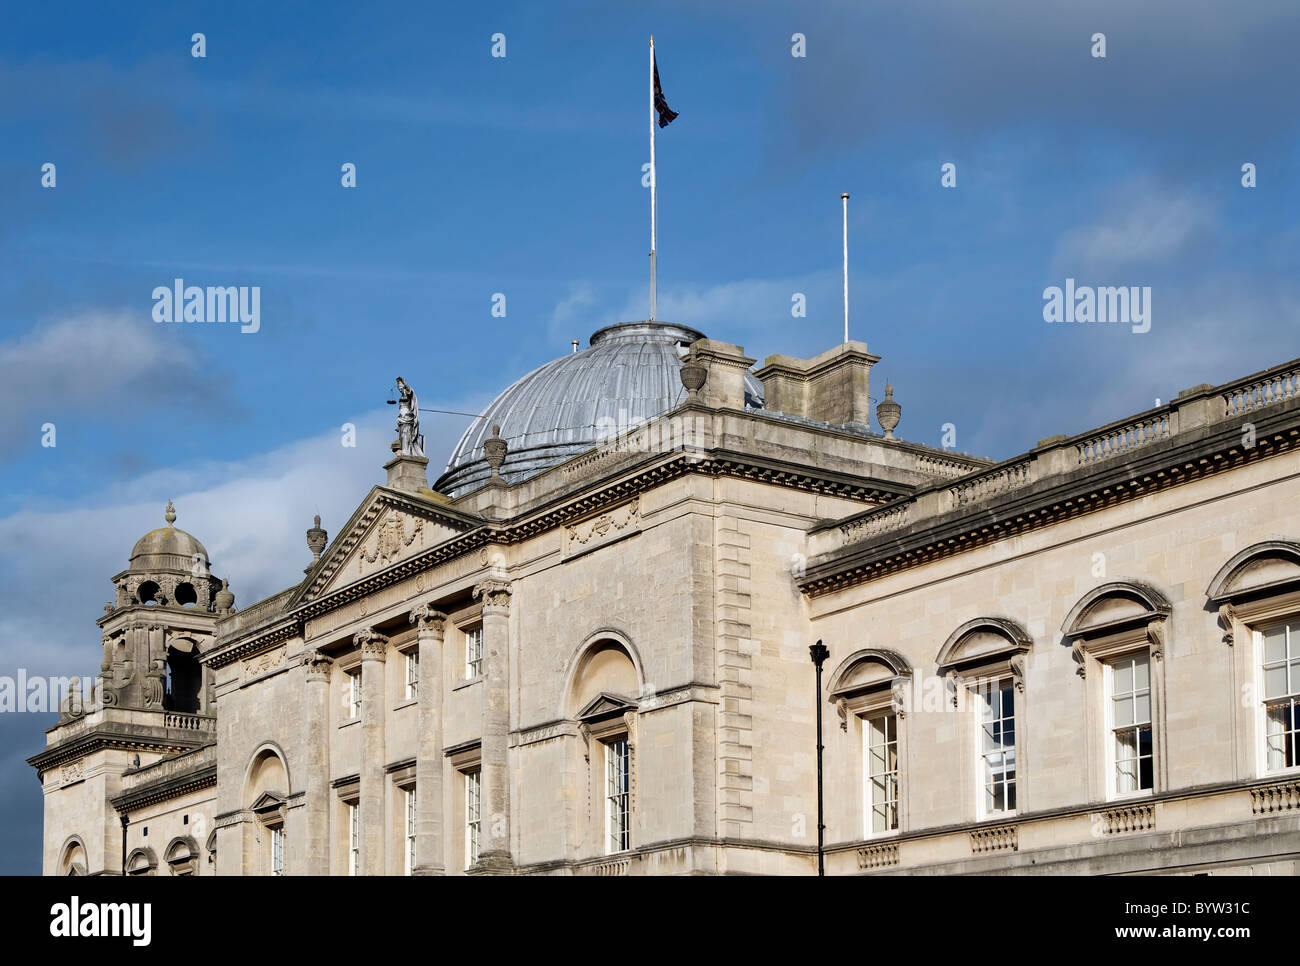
[56, 561]
[92, 359]
[1141, 225]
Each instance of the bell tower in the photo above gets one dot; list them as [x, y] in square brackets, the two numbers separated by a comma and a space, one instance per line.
[152, 699]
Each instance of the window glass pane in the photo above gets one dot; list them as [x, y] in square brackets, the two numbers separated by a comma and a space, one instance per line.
[1275, 644]
[1142, 707]
[1141, 673]
[1123, 711]
[1123, 676]
[1275, 682]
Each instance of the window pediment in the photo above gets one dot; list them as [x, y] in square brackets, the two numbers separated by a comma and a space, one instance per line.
[1115, 618]
[1269, 567]
[866, 670]
[1113, 608]
[605, 705]
[981, 641]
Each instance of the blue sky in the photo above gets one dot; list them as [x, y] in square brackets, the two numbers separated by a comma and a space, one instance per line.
[522, 175]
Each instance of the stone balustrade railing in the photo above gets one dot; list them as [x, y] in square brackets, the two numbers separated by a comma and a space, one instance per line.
[1275, 798]
[1128, 818]
[1270, 387]
[881, 521]
[189, 722]
[1124, 439]
[1193, 409]
[1000, 479]
[999, 838]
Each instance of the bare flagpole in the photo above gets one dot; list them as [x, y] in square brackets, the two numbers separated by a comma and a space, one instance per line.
[844, 197]
[653, 206]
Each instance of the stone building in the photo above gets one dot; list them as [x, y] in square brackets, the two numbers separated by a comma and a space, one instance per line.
[585, 648]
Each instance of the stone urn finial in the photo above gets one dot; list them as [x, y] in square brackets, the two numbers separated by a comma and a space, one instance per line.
[693, 376]
[888, 412]
[316, 539]
[495, 450]
[224, 600]
[169, 514]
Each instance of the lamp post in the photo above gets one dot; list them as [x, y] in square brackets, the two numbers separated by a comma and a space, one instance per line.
[126, 820]
[819, 653]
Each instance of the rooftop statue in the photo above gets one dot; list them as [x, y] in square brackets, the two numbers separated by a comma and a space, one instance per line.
[408, 420]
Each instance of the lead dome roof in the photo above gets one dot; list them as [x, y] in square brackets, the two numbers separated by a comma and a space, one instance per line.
[626, 376]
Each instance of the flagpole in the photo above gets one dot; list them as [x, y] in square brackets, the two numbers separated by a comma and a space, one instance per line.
[844, 197]
[653, 207]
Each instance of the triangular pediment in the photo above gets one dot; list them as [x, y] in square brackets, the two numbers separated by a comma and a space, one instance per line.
[606, 705]
[387, 528]
[268, 802]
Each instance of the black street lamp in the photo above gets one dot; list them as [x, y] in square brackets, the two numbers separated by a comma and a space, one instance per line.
[126, 820]
[819, 653]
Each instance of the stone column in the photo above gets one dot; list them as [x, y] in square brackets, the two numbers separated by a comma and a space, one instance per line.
[374, 647]
[316, 756]
[494, 855]
[432, 625]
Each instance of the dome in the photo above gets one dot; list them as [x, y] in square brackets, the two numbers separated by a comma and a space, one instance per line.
[628, 374]
[167, 548]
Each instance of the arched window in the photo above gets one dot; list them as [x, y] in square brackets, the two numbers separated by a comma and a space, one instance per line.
[182, 856]
[142, 862]
[985, 659]
[183, 685]
[870, 690]
[602, 691]
[1257, 597]
[74, 860]
[1117, 633]
[267, 792]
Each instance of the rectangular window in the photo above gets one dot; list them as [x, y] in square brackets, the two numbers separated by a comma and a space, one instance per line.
[618, 827]
[354, 694]
[410, 831]
[998, 748]
[880, 747]
[277, 851]
[412, 675]
[1281, 667]
[473, 652]
[354, 840]
[1130, 722]
[473, 821]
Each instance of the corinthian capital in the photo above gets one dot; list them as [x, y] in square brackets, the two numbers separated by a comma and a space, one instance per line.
[429, 620]
[318, 666]
[373, 644]
[495, 594]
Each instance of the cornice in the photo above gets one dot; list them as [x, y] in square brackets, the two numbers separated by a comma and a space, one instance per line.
[268, 636]
[106, 737]
[1170, 463]
[565, 510]
[166, 789]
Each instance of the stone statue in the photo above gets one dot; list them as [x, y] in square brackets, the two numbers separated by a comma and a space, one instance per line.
[408, 420]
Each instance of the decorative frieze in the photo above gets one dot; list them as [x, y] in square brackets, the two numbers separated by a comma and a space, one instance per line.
[605, 528]
[266, 661]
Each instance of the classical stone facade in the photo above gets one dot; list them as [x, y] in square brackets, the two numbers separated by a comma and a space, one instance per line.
[585, 649]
